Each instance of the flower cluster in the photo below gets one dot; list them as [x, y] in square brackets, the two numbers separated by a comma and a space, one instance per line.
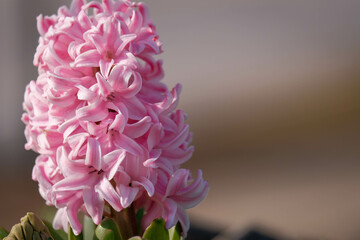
[105, 126]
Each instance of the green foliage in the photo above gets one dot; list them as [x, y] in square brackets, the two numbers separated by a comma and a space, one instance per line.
[56, 234]
[175, 232]
[108, 230]
[33, 228]
[139, 215]
[89, 229]
[105, 234]
[156, 231]
[3, 233]
[72, 236]
[30, 227]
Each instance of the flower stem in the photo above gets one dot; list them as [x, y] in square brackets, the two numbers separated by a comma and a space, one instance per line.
[126, 220]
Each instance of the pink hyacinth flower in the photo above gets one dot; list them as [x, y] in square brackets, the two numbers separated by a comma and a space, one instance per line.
[105, 126]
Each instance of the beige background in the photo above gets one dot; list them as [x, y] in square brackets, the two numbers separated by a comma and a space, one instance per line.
[271, 88]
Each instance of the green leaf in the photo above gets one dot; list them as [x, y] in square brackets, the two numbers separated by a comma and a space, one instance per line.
[139, 216]
[56, 234]
[105, 234]
[175, 232]
[3, 233]
[156, 231]
[72, 236]
[89, 229]
[108, 230]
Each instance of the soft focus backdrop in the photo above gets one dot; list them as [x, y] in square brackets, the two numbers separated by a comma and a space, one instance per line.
[272, 90]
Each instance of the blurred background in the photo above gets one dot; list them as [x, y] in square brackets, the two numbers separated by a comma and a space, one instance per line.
[271, 88]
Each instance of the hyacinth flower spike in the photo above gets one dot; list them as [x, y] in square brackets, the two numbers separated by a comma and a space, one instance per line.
[110, 138]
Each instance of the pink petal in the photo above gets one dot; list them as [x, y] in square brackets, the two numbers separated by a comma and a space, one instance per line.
[73, 183]
[84, 19]
[170, 102]
[193, 194]
[128, 60]
[39, 174]
[132, 88]
[184, 221]
[151, 161]
[136, 48]
[93, 154]
[170, 213]
[199, 195]
[154, 136]
[108, 193]
[144, 10]
[76, 142]
[125, 40]
[50, 140]
[154, 211]
[61, 199]
[85, 93]
[136, 21]
[128, 144]
[104, 86]
[118, 75]
[176, 141]
[112, 34]
[177, 181]
[105, 67]
[119, 123]
[68, 167]
[72, 210]
[193, 186]
[93, 112]
[135, 107]
[61, 83]
[139, 128]
[146, 184]
[96, 5]
[94, 205]
[43, 24]
[178, 155]
[76, 5]
[63, 100]
[127, 195]
[68, 127]
[119, 107]
[161, 163]
[113, 161]
[132, 165]
[61, 220]
[122, 177]
[90, 58]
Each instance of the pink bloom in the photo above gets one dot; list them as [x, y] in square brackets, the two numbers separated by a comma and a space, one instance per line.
[105, 126]
[174, 195]
[61, 220]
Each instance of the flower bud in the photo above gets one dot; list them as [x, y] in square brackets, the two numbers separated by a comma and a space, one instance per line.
[30, 228]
